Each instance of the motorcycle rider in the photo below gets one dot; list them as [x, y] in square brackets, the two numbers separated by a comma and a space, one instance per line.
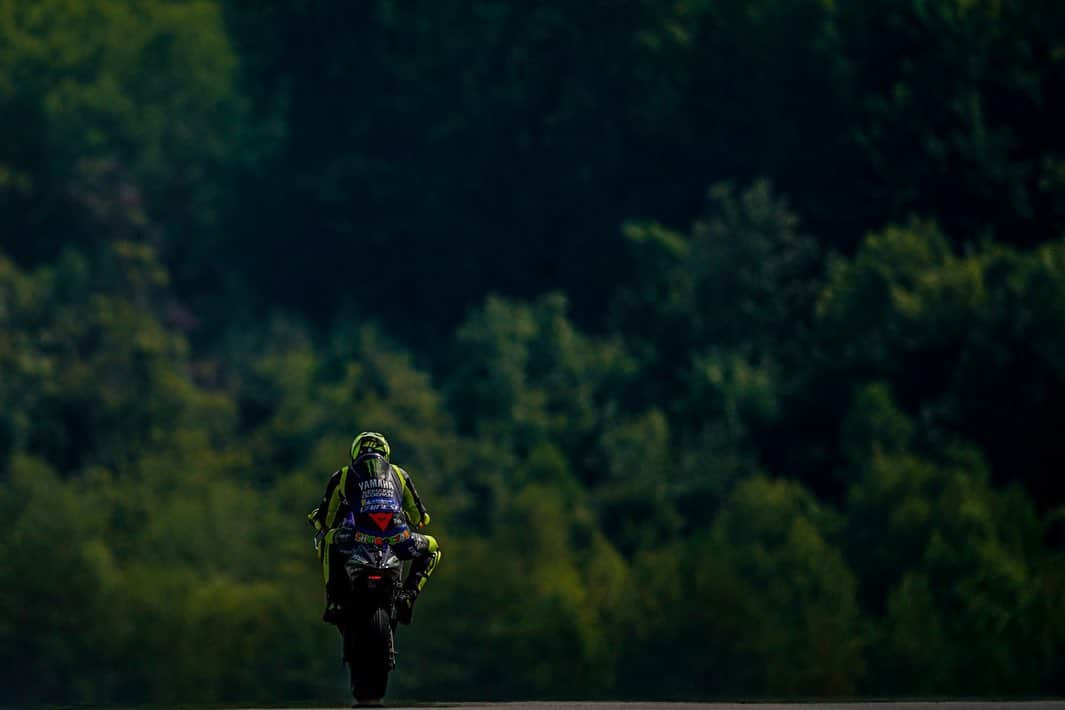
[372, 500]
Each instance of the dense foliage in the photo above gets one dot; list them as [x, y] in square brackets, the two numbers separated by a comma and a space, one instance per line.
[724, 339]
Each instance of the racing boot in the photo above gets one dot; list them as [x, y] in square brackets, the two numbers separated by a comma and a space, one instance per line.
[405, 604]
[412, 587]
[333, 612]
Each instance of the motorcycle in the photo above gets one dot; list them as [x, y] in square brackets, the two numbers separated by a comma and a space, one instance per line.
[369, 616]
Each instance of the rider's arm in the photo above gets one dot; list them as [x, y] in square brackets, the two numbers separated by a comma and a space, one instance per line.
[412, 503]
[320, 516]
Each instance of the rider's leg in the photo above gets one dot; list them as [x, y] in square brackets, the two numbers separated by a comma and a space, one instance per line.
[423, 564]
[425, 554]
[333, 571]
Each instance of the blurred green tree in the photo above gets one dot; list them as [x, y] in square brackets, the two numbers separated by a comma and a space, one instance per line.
[115, 108]
[760, 603]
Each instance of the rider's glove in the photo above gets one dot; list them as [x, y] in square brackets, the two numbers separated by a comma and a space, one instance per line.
[425, 520]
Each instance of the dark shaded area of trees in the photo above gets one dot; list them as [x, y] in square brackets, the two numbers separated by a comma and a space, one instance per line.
[725, 339]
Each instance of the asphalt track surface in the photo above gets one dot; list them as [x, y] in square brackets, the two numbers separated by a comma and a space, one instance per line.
[875, 705]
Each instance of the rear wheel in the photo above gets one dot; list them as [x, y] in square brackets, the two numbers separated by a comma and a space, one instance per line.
[370, 657]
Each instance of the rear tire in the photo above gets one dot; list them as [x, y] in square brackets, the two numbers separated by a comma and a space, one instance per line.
[370, 658]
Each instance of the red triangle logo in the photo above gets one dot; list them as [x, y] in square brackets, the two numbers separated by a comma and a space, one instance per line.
[382, 519]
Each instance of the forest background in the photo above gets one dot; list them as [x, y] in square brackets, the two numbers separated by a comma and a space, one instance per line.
[725, 341]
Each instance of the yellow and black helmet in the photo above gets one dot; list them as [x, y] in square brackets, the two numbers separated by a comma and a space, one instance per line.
[370, 442]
